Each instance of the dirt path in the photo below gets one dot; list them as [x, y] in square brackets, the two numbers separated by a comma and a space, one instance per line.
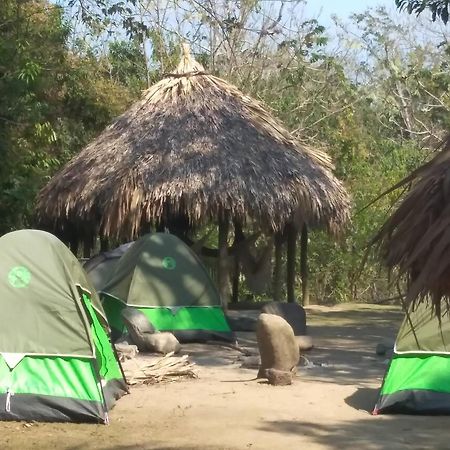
[327, 407]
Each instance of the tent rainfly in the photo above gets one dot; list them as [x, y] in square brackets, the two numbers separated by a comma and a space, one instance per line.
[57, 363]
[417, 379]
[163, 278]
[193, 150]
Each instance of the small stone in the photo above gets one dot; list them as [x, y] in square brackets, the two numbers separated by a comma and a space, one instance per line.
[279, 377]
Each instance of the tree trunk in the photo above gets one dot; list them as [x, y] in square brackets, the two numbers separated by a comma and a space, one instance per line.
[304, 265]
[104, 244]
[238, 237]
[236, 273]
[291, 253]
[222, 272]
[278, 269]
[86, 248]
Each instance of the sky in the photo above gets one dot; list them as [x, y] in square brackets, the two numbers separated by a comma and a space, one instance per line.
[324, 9]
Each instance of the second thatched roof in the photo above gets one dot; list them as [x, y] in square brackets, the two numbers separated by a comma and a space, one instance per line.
[193, 146]
[416, 238]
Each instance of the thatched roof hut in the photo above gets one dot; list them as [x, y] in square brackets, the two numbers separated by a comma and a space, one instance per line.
[415, 240]
[194, 146]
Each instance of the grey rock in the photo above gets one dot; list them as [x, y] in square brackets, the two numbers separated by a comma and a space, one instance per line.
[293, 313]
[136, 321]
[277, 345]
[279, 377]
[162, 343]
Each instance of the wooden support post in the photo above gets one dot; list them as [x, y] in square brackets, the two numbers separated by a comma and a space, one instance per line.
[104, 244]
[86, 248]
[222, 266]
[304, 265]
[278, 269]
[291, 253]
[238, 237]
[236, 273]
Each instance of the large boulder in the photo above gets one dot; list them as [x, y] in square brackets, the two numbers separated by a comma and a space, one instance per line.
[144, 334]
[162, 343]
[136, 322]
[293, 313]
[277, 345]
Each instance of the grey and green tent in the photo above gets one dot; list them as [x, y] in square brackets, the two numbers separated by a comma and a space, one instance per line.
[56, 359]
[162, 277]
[417, 380]
[100, 267]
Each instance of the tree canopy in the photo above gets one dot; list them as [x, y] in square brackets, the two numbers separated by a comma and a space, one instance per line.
[371, 90]
[438, 8]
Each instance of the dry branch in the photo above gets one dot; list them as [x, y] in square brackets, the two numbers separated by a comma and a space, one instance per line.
[150, 370]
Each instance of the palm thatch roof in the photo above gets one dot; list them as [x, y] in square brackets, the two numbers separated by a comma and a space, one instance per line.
[416, 238]
[195, 146]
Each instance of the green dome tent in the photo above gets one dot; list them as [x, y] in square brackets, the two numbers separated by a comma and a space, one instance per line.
[417, 380]
[56, 360]
[162, 277]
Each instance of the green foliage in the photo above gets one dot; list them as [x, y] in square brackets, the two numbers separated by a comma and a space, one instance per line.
[128, 65]
[438, 8]
[53, 102]
[373, 105]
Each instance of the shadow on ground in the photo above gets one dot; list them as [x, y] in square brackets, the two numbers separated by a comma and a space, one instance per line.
[369, 434]
[363, 399]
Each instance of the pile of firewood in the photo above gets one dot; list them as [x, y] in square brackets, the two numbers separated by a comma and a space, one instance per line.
[147, 369]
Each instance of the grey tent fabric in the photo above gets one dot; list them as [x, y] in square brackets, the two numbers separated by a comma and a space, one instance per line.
[101, 267]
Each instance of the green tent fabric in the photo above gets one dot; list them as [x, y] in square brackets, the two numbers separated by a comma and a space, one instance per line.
[162, 277]
[56, 359]
[417, 380]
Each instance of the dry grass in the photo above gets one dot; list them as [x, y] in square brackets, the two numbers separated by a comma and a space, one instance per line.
[416, 238]
[193, 146]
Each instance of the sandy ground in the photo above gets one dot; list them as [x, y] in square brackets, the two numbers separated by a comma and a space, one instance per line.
[328, 407]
